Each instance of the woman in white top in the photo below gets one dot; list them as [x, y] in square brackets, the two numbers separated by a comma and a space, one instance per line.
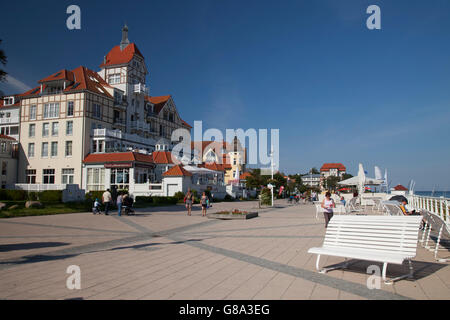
[328, 205]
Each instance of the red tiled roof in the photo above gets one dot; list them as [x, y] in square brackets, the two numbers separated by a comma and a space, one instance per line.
[60, 75]
[117, 56]
[186, 124]
[2, 136]
[118, 157]
[214, 166]
[399, 187]
[83, 79]
[328, 166]
[162, 157]
[177, 171]
[159, 102]
[245, 175]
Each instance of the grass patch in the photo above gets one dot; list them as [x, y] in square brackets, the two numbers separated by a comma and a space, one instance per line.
[48, 209]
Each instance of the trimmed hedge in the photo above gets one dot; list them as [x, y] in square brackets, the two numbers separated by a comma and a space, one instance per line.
[157, 200]
[22, 195]
[50, 196]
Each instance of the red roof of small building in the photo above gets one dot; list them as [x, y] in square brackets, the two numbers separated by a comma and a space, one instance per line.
[328, 166]
[117, 56]
[162, 157]
[399, 187]
[118, 157]
[177, 171]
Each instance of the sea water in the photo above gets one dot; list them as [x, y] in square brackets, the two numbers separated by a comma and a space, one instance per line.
[437, 194]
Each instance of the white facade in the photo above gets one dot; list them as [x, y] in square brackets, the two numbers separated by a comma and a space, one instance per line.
[10, 117]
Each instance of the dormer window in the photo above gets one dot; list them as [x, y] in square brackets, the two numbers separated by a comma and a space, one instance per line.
[9, 101]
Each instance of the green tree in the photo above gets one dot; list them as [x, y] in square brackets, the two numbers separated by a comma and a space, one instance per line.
[331, 182]
[3, 61]
[256, 180]
[314, 171]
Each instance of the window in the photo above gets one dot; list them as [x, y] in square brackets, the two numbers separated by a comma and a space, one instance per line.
[30, 176]
[120, 178]
[51, 110]
[70, 109]
[96, 110]
[31, 150]
[95, 179]
[117, 97]
[31, 130]
[54, 149]
[114, 78]
[45, 128]
[44, 151]
[8, 114]
[67, 176]
[69, 128]
[68, 151]
[55, 128]
[48, 176]
[33, 112]
[4, 167]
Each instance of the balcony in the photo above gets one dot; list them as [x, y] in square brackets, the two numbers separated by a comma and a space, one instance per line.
[119, 121]
[140, 125]
[140, 88]
[9, 120]
[121, 136]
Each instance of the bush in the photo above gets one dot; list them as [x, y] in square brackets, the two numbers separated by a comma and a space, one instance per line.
[50, 196]
[92, 195]
[228, 198]
[164, 200]
[144, 199]
[13, 195]
[179, 195]
[266, 197]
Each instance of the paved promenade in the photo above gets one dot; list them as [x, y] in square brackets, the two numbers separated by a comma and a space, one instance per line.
[161, 253]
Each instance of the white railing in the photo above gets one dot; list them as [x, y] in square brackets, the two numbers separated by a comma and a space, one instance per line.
[9, 120]
[140, 88]
[117, 134]
[438, 206]
[37, 187]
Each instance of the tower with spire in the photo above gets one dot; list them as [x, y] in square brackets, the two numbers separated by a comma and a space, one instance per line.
[125, 42]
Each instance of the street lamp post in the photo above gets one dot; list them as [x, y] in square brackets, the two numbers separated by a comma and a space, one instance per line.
[271, 167]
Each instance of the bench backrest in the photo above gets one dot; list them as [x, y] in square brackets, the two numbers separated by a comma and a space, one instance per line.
[393, 208]
[437, 223]
[377, 233]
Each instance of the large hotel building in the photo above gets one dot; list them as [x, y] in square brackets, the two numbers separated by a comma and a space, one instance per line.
[73, 114]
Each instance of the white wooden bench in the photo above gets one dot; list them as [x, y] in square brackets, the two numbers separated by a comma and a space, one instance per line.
[386, 239]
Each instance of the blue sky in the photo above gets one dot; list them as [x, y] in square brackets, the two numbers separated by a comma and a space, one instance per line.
[337, 91]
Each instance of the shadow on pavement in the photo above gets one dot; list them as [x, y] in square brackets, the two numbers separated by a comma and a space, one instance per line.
[30, 245]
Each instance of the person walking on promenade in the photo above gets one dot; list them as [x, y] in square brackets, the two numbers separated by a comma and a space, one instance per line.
[188, 199]
[119, 202]
[106, 199]
[328, 205]
[204, 202]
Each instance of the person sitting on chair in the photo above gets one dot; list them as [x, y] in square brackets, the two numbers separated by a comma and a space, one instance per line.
[405, 210]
